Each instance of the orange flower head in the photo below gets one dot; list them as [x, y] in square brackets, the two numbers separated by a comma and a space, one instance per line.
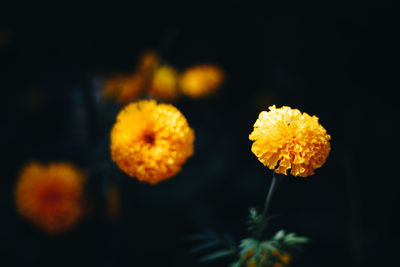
[201, 80]
[113, 86]
[50, 196]
[285, 138]
[284, 257]
[151, 141]
[164, 84]
[131, 89]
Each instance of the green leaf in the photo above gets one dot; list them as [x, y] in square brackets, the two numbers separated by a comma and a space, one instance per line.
[279, 235]
[217, 255]
[248, 243]
[235, 264]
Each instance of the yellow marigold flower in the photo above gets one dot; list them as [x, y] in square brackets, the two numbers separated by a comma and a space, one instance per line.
[164, 84]
[201, 80]
[290, 139]
[151, 141]
[50, 196]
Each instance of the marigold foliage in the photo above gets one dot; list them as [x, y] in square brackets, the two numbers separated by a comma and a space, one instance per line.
[201, 80]
[285, 138]
[50, 195]
[164, 84]
[151, 141]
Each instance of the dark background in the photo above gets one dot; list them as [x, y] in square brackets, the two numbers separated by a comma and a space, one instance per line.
[334, 60]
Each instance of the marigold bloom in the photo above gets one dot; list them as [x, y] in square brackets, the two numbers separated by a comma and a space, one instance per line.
[164, 84]
[284, 257]
[201, 80]
[151, 141]
[131, 89]
[290, 139]
[50, 196]
[113, 85]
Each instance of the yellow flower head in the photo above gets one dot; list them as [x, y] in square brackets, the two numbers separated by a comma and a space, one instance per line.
[50, 196]
[151, 141]
[201, 80]
[290, 139]
[164, 84]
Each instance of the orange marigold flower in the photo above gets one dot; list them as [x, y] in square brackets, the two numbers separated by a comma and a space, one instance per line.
[290, 139]
[50, 196]
[113, 85]
[164, 84]
[201, 80]
[284, 257]
[251, 263]
[151, 141]
[131, 89]
[148, 62]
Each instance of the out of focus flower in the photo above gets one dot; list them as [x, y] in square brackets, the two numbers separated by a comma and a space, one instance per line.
[50, 195]
[125, 88]
[284, 258]
[151, 141]
[164, 84]
[113, 205]
[265, 260]
[148, 62]
[131, 89]
[201, 80]
[113, 85]
[285, 138]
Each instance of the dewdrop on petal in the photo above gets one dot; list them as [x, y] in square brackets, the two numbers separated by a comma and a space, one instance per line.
[151, 141]
[284, 138]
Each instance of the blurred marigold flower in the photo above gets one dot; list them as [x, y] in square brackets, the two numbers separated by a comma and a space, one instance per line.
[151, 141]
[263, 259]
[201, 80]
[290, 139]
[164, 84]
[284, 257]
[125, 88]
[131, 89]
[50, 196]
[148, 62]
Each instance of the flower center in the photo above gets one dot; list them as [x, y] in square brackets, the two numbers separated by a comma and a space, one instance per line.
[149, 138]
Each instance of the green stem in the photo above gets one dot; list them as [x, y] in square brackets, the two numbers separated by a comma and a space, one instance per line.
[272, 189]
[264, 218]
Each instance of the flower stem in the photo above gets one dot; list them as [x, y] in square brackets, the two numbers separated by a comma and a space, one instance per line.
[272, 189]
[264, 218]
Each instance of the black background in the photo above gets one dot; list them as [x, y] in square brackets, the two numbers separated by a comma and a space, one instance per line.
[335, 60]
